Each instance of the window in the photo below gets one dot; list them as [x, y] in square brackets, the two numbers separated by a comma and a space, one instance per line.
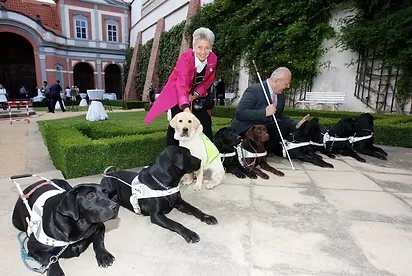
[80, 26]
[81, 29]
[111, 32]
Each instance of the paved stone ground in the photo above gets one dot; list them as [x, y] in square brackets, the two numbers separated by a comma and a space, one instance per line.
[355, 219]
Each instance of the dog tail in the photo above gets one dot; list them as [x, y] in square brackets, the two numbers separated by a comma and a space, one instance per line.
[110, 169]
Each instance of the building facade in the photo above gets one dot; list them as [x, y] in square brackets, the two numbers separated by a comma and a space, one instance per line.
[79, 42]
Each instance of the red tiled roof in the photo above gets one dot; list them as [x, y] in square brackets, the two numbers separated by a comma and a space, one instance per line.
[46, 12]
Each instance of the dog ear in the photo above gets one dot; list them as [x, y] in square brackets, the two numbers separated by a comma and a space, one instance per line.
[68, 206]
[196, 122]
[173, 122]
[250, 133]
[315, 120]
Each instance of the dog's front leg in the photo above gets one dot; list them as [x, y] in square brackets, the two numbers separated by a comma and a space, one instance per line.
[271, 169]
[103, 257]
[348, 151]
[163, 221]
[199, 180]
[260, 173]
[189, 209]
[42, 254]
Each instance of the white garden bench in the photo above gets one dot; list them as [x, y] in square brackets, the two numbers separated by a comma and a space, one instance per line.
[334, 98]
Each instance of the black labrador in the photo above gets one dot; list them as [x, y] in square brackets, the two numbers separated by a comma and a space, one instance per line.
[344, 128]
[309, 130]
[226, 141]
[76, 215]
[166, 173]
[365, 123]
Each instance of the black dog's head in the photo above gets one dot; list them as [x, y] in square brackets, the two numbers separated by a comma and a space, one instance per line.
[169, 167]
[346, 127]
[365, 121]
[258, 134]
[90, 202]
[225, 139]
[308, 131]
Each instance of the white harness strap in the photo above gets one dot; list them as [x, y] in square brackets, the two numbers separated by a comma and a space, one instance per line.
[292, 145]
[328, 138]
[230, 154]
[35, 225]
[242, 154]
[354, 139]
[140, 190]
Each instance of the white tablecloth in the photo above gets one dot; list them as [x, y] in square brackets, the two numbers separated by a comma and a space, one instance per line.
[110, 96]
[3, 97]
[57, 106]
[96, 110]
[83, 102]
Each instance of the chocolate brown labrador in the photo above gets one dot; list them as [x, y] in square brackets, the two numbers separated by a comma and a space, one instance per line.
[254, 142]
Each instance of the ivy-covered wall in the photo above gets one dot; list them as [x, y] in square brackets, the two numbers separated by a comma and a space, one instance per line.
[384, 26]
[169, 47]
[142, 64]
[272, 32]
[126, 67]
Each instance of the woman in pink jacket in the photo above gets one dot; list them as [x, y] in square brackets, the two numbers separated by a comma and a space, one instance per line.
[189, 81]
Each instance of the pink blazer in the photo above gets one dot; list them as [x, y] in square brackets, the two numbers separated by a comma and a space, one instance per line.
[177, 88]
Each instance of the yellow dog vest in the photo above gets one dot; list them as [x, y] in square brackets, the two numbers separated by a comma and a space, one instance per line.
[211, 150]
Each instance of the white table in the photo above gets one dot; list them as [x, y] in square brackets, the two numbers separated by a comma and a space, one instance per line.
[110, 96]
[96, 110]
[57, 106]
[83, 102]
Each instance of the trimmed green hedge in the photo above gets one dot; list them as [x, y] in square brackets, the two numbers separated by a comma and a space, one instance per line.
[80, 148]
[67, 103]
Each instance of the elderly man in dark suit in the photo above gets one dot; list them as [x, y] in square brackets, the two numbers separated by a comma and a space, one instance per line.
[55, 96]
[253, 108]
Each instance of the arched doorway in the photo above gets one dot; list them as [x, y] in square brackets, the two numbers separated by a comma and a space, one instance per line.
[17, 65]
[113, 80]
[83, 76]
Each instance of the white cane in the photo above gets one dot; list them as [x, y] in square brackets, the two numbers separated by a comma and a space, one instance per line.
[274, 118]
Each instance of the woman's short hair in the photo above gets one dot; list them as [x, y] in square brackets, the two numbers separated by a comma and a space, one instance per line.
[203, 33]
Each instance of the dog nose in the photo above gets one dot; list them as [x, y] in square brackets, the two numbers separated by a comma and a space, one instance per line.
[115, 207]
[185, 129]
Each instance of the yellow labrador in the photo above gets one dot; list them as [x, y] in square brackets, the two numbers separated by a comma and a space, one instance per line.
[189, 133]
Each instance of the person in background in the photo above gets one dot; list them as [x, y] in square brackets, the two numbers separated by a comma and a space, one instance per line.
[189, 83]
[68, 93]
[220, 91]
[3, 97]
[55, 90]
[23, 92]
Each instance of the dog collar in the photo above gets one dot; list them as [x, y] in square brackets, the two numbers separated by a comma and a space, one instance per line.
[35, 225]
[140, 191]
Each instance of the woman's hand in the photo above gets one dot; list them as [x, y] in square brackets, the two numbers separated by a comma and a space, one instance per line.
[187, 110]
[192, 97]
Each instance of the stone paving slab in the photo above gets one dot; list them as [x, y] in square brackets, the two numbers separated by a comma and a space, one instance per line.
[343, 181]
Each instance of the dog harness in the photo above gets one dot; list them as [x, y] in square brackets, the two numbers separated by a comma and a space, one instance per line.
[354, 139]
[140, 190]
[243, 154]
[229, 154]
[211, 150]
[292, 145]
[35, 224]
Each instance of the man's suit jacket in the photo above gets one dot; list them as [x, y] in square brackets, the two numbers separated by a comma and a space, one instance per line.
[55, 90]
[251, 109]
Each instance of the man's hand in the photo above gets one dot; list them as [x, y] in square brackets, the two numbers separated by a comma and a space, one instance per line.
[270, 110]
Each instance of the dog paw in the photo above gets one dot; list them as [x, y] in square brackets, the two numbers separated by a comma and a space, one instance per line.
[186, 180]
[383, 158]
[238, 175]
[198, 187]
[252, 175]
[362, 160]
[210, 220]
[190, 236]
[328, 165]
[265, 176]
[279, 173]
[104, 258]
[210, 185]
